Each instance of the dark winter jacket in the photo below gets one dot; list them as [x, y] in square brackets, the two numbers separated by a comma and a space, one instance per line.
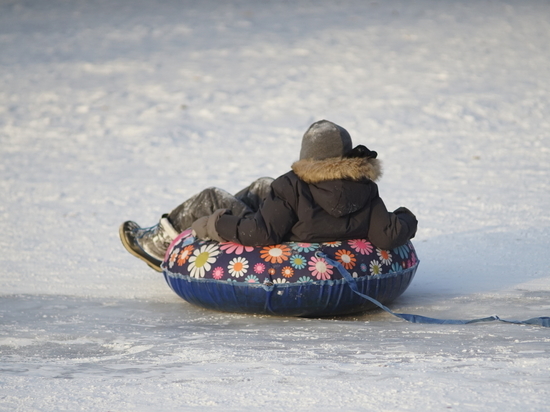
[322, 200]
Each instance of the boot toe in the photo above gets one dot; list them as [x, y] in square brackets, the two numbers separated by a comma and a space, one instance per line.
[127, 233]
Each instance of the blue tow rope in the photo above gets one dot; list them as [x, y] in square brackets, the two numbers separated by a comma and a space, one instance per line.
[541, 321]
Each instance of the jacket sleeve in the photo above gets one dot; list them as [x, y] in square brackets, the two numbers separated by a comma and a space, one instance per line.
[268, 226]
[389, 230]
[205, 227]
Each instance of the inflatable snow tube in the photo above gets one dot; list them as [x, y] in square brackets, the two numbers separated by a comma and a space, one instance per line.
[290, 279]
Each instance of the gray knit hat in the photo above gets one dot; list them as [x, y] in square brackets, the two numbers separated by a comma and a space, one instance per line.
[325, 139]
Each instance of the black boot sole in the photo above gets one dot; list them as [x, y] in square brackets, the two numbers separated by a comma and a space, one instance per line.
[135, 250]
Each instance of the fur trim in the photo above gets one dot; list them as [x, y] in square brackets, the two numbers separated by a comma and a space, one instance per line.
[336, 168]
[168, 228]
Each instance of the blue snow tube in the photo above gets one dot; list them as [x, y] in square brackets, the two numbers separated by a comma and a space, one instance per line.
[289, 279]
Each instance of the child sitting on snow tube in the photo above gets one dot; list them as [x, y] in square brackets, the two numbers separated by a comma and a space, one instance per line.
[288, 279]
[330, 194]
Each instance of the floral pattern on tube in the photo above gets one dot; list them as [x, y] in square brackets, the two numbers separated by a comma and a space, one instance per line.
[290, 262]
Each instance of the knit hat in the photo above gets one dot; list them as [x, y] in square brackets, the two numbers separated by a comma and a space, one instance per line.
[325, 139]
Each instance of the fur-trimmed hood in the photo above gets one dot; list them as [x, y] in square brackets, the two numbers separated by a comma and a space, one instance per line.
[337, 168]
[340, 185]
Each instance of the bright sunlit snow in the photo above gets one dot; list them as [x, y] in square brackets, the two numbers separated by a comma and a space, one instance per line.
[120, 110]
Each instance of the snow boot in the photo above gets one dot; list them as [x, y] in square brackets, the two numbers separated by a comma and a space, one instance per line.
[148, 244]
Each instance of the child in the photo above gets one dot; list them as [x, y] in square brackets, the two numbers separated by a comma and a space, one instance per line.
[329, 195]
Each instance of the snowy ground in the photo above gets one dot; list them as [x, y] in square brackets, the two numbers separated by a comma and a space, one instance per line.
[116, 110]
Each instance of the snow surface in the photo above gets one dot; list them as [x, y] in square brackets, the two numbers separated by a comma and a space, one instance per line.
[115, 110]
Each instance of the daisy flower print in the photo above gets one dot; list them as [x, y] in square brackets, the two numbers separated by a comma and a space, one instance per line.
[298, 261]
[275, 254]
[336, 243]
[385, 256]
[238, 267]
[202, 260]
[185, 254]
[259, 268]
[235, 248]
[287, 272]
[346, 258]
[252, 279]
[217, 273]
[320, 268]
[361, 246]
[375, 268]
[305, 247]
